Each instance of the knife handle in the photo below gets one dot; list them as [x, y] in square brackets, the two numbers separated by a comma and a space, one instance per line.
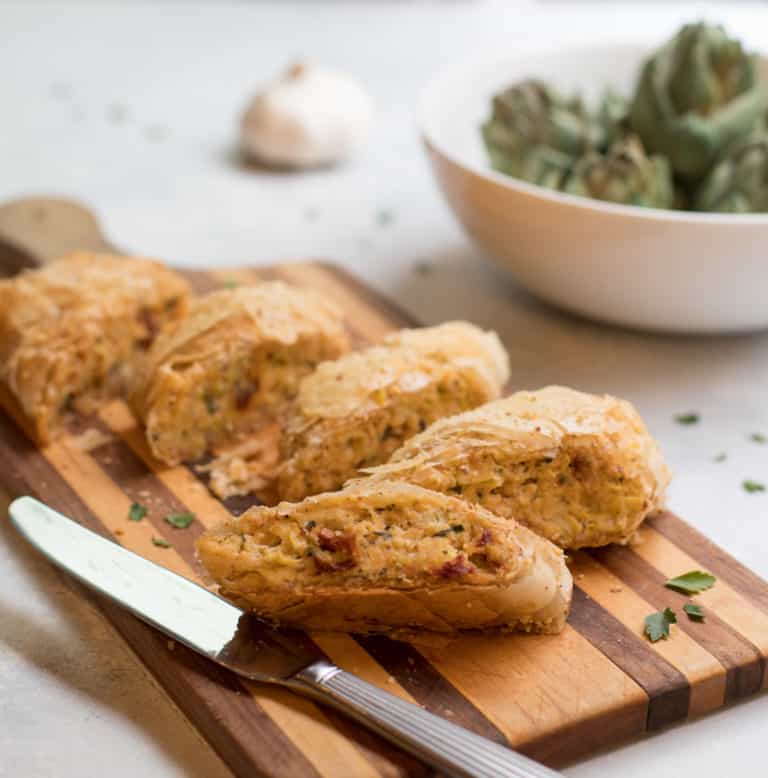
[445, 746]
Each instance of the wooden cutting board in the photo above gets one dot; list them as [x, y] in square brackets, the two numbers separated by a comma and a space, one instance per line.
[557, 698]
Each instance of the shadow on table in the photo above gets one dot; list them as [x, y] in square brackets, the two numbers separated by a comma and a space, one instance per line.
[105, 676]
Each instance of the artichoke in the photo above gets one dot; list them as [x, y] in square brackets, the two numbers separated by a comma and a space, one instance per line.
[623, 175]
[699, 93]
[613, 115]
[536, 134]
[739, 182]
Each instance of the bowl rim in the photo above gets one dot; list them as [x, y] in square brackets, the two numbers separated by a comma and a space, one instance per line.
[444, 79]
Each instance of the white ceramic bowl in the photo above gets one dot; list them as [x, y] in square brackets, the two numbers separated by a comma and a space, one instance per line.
[640, 267]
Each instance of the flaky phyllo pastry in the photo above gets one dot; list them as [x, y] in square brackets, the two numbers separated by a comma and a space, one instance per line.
[354, 412]
[385, 556]
[73, 333]
[578, 469]
[232, 364]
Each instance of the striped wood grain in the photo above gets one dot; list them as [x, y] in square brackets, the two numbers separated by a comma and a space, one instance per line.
[555, 697]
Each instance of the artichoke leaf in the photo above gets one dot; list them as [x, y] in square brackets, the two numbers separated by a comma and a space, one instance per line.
[697, 94]
[536, 134]
[739, 182]
[625, 174]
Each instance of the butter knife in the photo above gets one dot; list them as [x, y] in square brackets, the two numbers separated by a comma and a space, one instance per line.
[215, 628]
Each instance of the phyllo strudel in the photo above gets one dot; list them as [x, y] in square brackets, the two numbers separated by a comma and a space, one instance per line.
[388, 556]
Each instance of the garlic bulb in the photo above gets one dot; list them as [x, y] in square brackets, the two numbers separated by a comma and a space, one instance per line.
[308, 117]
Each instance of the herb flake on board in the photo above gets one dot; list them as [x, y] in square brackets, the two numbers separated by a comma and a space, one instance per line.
[657, 624]
[180, 520]
[136, 512]
[692, 582]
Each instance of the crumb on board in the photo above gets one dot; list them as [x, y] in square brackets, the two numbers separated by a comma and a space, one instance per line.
[616, 590]
[90, 439]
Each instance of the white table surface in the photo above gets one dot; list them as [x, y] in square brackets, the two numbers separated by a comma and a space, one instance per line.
[131, 108]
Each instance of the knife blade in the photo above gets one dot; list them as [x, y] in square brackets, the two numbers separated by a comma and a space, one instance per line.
[215, 628]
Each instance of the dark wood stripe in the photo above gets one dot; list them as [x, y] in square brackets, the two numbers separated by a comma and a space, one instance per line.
[266, 273]
[668, 690]
[712, 558]
[207, 694]
[131, 475]
[425, 684]
[200, 281]
[742, 661]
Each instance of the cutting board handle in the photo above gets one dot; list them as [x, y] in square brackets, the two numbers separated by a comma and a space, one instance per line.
[36, 230]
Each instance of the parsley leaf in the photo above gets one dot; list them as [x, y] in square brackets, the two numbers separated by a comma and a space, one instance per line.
[758, 437]
[180, 520]
[162, 542]
[695, 613]
[721, 457]
[657, 624]
[752, 486]
[691, 583]
[687, 418]
[231, 283]
[136, 512]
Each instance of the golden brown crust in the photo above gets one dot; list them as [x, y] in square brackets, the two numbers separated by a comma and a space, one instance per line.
[232, 364]
[579, 469]
[354, 412]
[388, 556]
[75, 331]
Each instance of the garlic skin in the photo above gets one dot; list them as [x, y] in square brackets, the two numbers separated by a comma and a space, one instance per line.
[310, 116]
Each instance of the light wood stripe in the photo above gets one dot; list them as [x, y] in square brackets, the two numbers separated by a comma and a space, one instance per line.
[427, 686]
[533, 687]
[391, 311]
[722, 600]
[344, 651]
[372, 324]
[331, 754]
[697, 666]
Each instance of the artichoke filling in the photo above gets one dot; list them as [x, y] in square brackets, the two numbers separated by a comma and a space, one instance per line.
[574, 497]
[374, 546]
[202, 402]
[326, 454]
[83, 368]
